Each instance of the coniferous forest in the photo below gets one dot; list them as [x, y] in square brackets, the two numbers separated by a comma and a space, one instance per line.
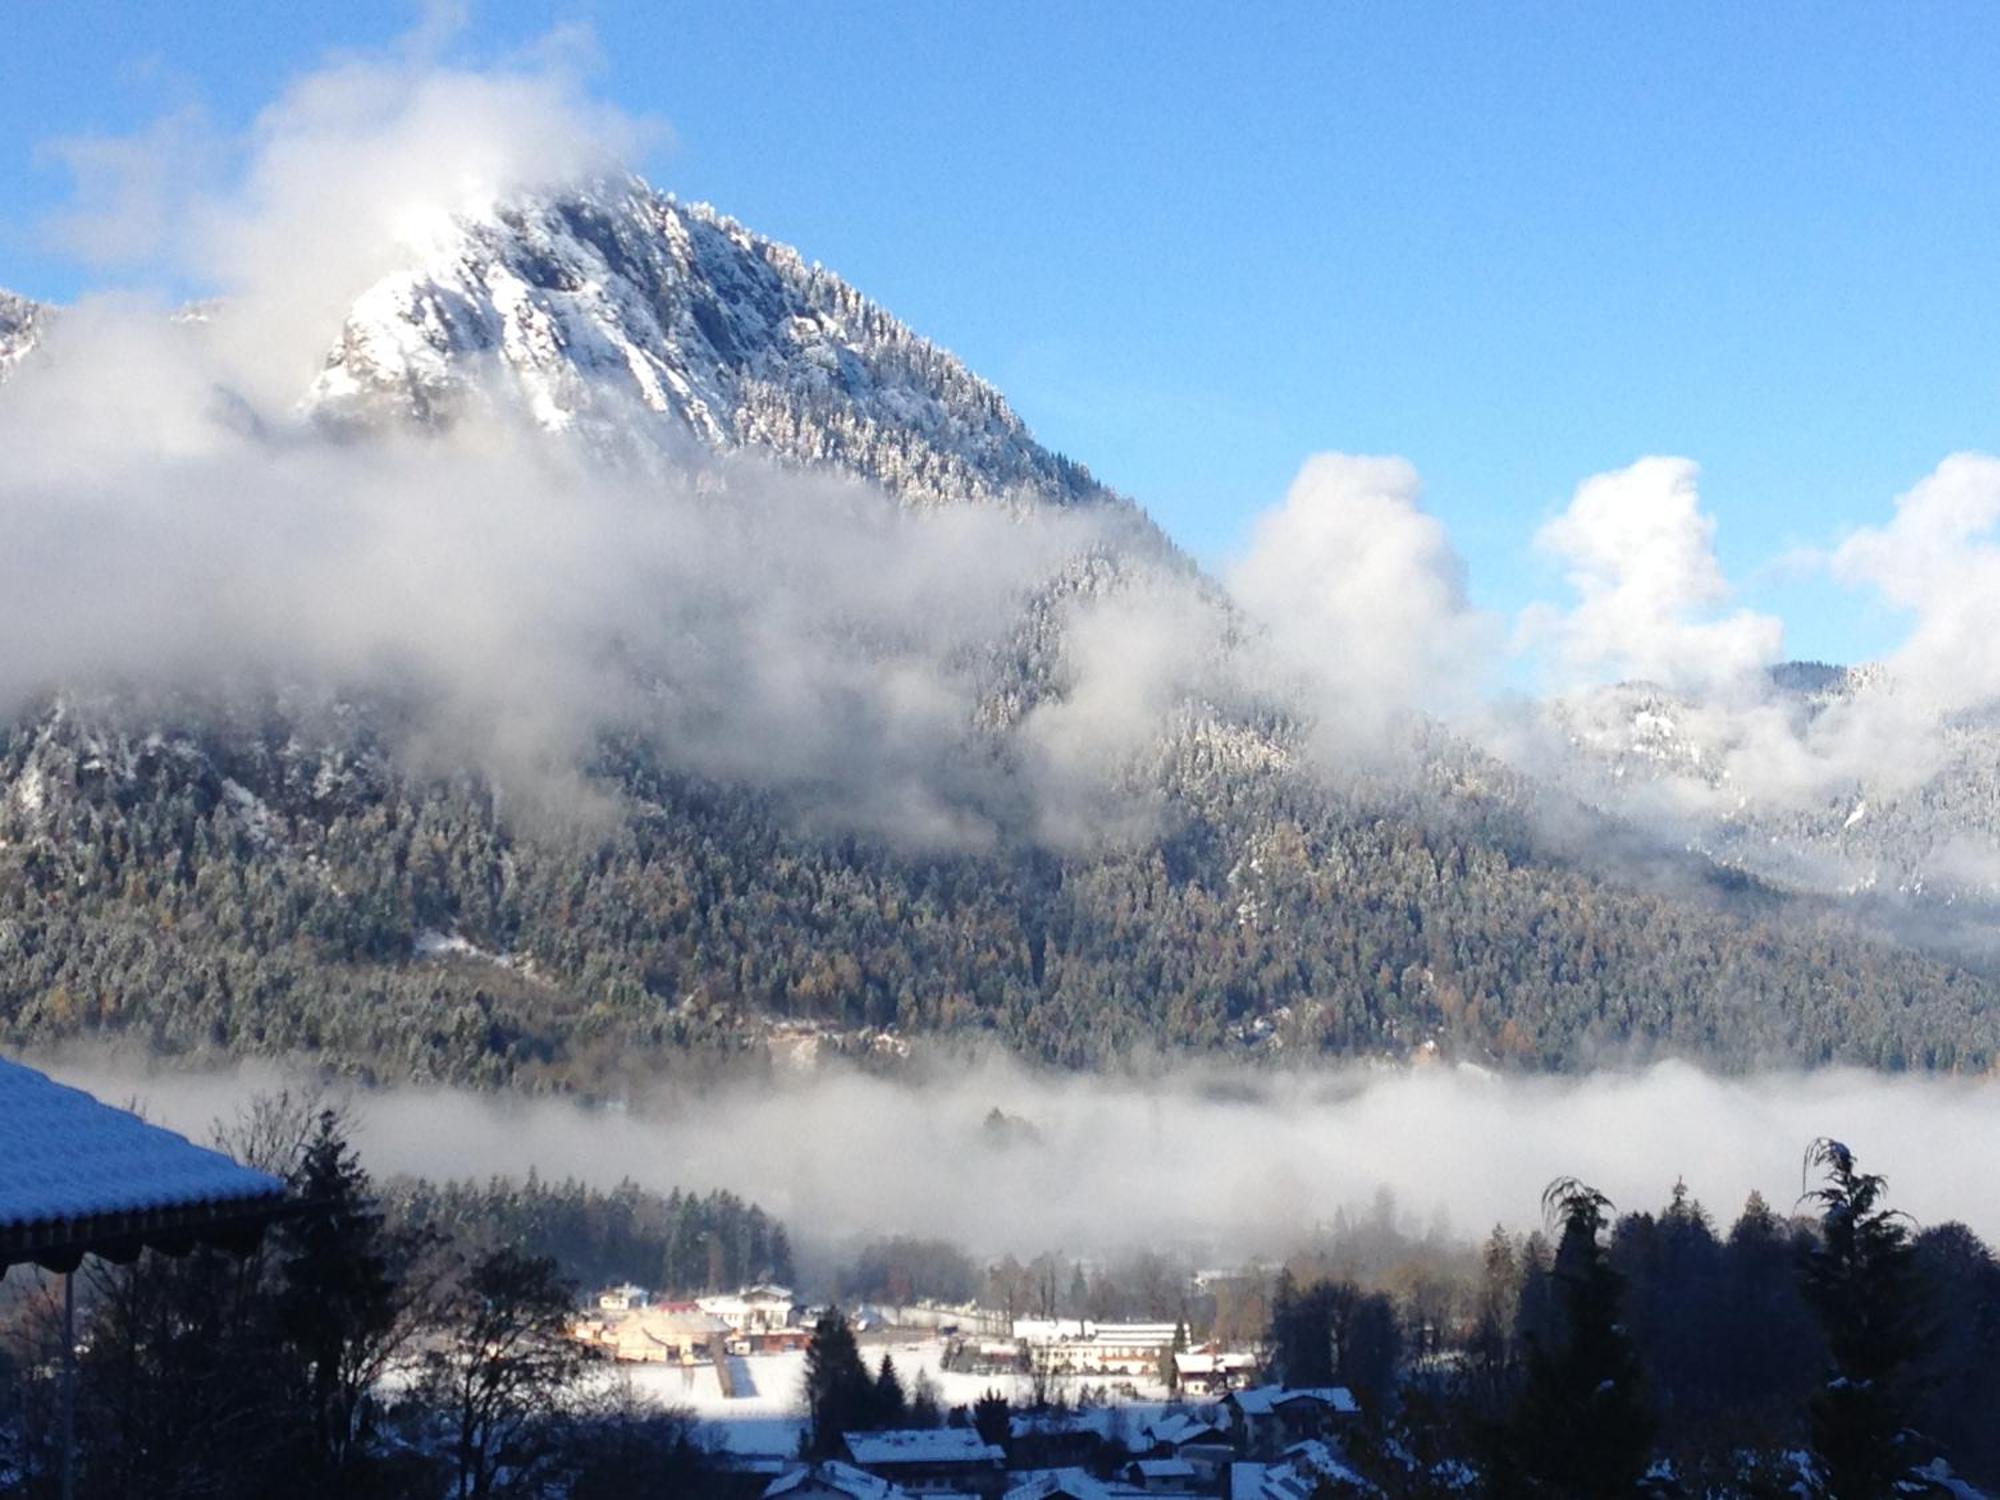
[254, 892]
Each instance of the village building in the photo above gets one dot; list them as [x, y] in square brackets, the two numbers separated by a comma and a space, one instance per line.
[1166, 1476]
[1266, 1420]
[86, 1179]
[984, 1356]
[831, 1480]
[754, 1309]
[1061, 1484]
[1211, 1370]
[1196, 1437]
[931, 1460]
[1306, 1471]
[1064, 1346]
[660, 1333]
[1059, 1439]
[623, 1298]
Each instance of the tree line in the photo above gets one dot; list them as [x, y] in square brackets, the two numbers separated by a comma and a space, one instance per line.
[1840, 1352]
[679, 1243]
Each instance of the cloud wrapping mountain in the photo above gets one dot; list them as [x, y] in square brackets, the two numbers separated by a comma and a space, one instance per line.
[1363, 600]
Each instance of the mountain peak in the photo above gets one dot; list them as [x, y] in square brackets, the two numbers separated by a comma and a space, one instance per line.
[599, 305]
[20, 329]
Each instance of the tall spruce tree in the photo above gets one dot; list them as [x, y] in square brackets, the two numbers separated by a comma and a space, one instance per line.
[348, 1300]
[839, 1395]
[890, 1406]
[1860, 1280]
[1580, 1428]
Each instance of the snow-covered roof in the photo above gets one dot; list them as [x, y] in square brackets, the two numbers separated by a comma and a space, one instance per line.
[840, 1478]
[922, 1445]
[1095, 1420]
[1249, 1481]
[1305, 1469]
[1134, 1333]
[1262, 1400]
[1315, 1458]
[69, 1162]
[1163, 1468]
[1181, 1427]
[1059, 1484]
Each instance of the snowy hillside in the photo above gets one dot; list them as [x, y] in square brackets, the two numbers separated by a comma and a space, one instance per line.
[1923, 825]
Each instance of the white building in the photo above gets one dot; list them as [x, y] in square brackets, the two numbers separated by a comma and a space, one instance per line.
[755, 1309]
[1063, 1346]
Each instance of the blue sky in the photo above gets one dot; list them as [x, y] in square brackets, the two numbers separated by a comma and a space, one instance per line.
[1516, 244]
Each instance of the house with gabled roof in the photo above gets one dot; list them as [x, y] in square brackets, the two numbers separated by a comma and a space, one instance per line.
[931, 1460]
[831, 1480]
[1267, 1419]
[1059, 1484]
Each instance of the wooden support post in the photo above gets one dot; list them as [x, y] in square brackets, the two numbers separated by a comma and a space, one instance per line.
[69, 1384]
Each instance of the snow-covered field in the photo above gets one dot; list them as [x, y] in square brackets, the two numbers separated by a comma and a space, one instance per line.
[768, 1419]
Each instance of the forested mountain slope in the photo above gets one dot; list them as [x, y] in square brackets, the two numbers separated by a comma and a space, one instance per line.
[271, 865]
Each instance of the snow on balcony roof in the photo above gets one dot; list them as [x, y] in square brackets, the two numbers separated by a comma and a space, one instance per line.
[69, 1162]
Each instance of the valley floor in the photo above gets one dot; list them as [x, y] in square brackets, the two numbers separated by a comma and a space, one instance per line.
[767, 1422]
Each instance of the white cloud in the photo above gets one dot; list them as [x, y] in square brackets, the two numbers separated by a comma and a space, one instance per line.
[1231, 1160]
[1639, 551]
[354, 167]
[1363, 596]
[1939, 559]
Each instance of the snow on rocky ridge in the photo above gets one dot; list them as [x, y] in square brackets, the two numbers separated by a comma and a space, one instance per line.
[20, 328]
[616, 308]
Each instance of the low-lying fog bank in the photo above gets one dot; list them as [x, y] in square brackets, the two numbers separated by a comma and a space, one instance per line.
[1225, 1162]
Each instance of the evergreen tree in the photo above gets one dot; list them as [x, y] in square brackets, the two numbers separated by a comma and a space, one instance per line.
[1170, 1370]
[925, 1408]
[890, 1408]
[1370, 1339]
[993, 1419]
[839, 1395]
[1959, 1375]
[1302, 1331]
[1860, 1281]
[347, 1303]
[1580, 1428]
[1498, 1294]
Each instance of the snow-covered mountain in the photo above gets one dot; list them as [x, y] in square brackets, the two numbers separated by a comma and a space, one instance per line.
[1923, 825]
[617, 310]
[291, 866]
[20, 327]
